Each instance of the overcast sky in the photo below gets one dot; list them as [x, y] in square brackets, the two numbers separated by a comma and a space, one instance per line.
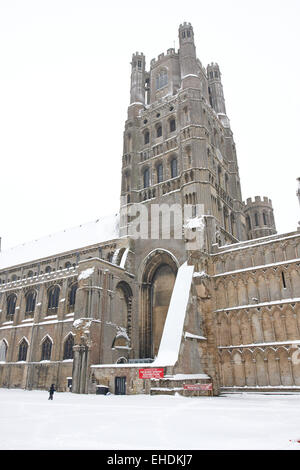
[64, 92]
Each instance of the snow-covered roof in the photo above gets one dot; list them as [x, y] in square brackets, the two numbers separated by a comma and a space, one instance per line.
[104, 229]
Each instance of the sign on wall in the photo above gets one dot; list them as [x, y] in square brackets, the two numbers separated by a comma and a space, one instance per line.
[151, 373]
[197, 386]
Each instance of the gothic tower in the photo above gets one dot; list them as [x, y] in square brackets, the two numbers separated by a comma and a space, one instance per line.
[178, 144]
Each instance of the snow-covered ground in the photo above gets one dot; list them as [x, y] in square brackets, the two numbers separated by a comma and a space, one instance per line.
[237, 421]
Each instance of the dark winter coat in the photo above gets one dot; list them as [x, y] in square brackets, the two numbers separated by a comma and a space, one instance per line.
[52, 389]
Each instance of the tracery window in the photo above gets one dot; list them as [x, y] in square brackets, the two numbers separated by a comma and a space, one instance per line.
[146, 137]
[159, 131]
[146, 178]
[68, 347]
[23, 347]
[11, 305]
[46, 349]
[72, 295]
[53, 296]
[30, 302]
[174, 170]
[172, 125]
[3, 350]
[160, 175]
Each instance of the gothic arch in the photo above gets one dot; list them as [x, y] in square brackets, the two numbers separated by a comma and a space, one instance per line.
[267, 327]
[227, 369]
[294, 354]
[250, 372]
[225, 337]
[3, 350]
[123, 306]
[291, 325]
[242, 293]
[284, 367]
[220, 295]
[232, 294]
[235, 328]
[273, 366]
[261, 368]
[23, 348]
[257, 327]
[246, 330]
[238, 365]
[278, 326]
[156, 278]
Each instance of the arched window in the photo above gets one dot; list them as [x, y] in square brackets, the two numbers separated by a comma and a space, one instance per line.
[30, 274]
[160, 173]
[265, 217]
[3, 350]
[256, 218]
[68, 347]
[48, 269]
[146, 137]
[30, 302]
[67, 265]
[159, 130]
[248, 221]
[161, 79]
[172, 124]
[146, 178]
[174, 168]
[11, 305]
[46, 349]
[23, 347]
[53, 296]
[72, 295]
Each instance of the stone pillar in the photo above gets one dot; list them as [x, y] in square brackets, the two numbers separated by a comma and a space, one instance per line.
[80, 368]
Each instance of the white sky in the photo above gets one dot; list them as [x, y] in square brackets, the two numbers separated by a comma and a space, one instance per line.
[64, 92]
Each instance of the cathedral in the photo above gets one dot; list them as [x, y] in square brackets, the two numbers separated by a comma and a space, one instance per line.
[188, 289]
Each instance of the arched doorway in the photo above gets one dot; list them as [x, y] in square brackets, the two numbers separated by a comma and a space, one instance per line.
[158, 279]
[161, 291]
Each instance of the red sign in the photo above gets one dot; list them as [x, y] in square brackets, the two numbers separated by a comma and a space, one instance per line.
[197, 386]
[151, 373]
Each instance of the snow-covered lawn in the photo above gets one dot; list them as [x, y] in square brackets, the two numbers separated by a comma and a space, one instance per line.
[239, 421]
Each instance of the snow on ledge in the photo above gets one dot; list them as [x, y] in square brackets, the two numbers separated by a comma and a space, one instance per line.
[86, 273]
[185, 377]
[261, 304]
[191, 335]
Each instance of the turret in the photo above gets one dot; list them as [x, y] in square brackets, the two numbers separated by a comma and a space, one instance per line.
[259, 217]
[215, 89]
[138, 78]
[187, 57]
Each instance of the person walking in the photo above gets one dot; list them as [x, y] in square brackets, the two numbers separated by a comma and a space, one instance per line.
[51, 392]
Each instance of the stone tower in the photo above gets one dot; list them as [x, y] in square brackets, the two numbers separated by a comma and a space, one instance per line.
[259, 217]
[178, 144]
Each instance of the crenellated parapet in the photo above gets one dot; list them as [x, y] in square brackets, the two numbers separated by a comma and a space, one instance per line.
[259, 215]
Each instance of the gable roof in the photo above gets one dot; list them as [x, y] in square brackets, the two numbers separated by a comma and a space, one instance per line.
[103, 229]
